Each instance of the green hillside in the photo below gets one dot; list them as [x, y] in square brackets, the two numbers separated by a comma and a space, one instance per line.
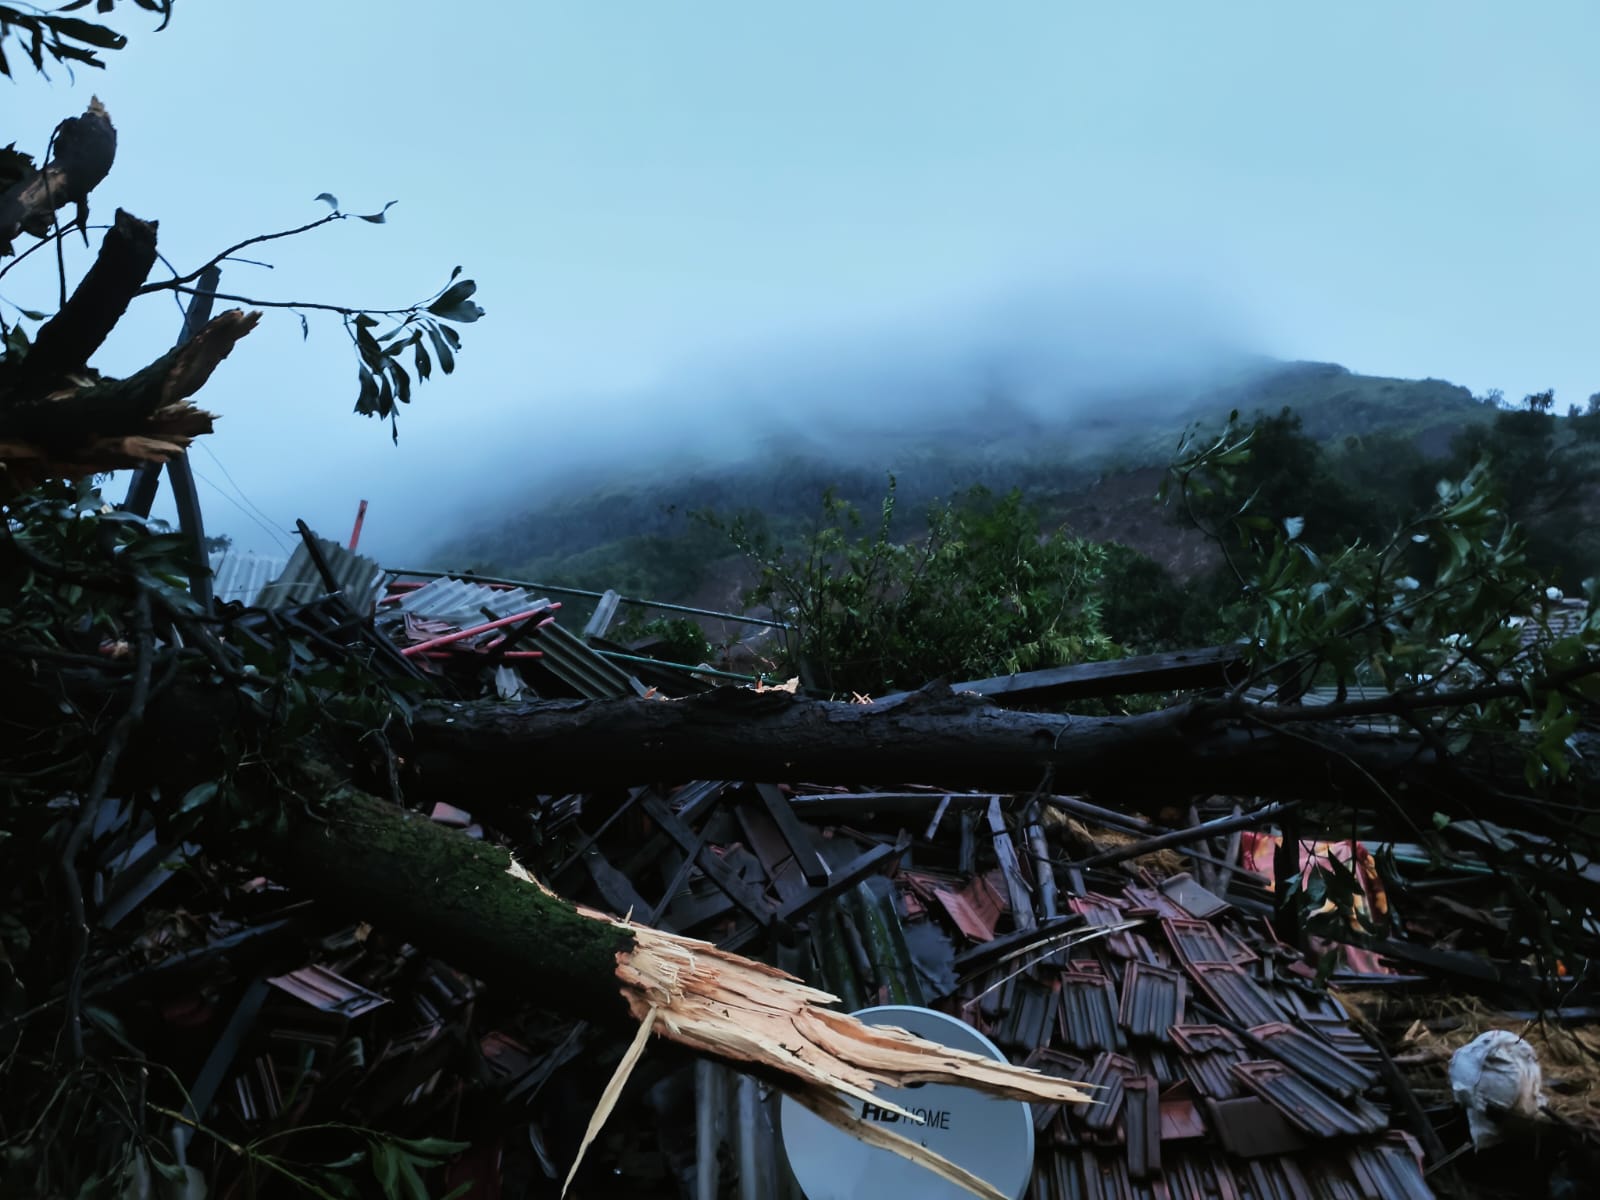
[635, 533]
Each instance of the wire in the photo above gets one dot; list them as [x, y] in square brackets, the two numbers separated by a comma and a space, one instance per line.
[262, 520]
[229, 476]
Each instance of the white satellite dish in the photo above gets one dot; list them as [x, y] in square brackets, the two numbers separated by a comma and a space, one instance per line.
[991, 1137]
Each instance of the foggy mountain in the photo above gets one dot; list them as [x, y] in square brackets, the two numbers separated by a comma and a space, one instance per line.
[1081, 424]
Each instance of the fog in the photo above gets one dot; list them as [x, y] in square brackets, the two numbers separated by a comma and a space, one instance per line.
[1038, 357]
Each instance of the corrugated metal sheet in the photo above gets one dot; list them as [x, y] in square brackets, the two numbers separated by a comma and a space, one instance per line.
[580, 668]
[238, 578]
[263, 581]
[358, 578]
[462, 604]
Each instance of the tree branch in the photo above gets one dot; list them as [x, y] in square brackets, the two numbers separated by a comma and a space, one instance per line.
[342, 309]
[84, 149]
[68, 340]
[119, 422]
[216, 260]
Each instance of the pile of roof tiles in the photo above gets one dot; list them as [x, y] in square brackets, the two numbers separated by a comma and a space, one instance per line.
[1225, 1072]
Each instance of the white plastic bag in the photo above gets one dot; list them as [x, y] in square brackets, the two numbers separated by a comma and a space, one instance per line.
[1494, 1076]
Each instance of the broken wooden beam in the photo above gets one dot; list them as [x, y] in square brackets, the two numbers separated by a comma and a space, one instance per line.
[1185, 837]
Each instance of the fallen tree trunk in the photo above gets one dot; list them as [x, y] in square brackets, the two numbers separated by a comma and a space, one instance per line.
[1141, 761]
[468, 902]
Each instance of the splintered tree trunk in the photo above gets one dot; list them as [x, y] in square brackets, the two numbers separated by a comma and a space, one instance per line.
[469, 903]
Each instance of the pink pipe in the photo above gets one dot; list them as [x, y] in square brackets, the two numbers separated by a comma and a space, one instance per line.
[507, 654]
[461, 634]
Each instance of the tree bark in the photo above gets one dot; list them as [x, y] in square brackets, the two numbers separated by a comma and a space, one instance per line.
[1139, 763]
[949, 740]
[67, 341]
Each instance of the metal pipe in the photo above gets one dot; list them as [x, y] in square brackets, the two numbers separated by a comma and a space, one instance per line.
[678, 666]
[473, 577]
[513, 654]
[355, 534]
[460, 634]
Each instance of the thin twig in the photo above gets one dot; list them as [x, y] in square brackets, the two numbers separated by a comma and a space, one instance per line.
[56, 234]
[180, 280]
[341, 309]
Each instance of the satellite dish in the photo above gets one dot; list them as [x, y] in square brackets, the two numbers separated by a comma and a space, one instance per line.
[991, 1137]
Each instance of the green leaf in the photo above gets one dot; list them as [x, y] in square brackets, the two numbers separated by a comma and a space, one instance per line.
[402, 381]
[367, 401]
[87, 32]
[386, 1168]
[411, 1185]
[441, 1149]
[332, 200]
[378, 217]
[441, 348]
[455, 304]
[200, 794]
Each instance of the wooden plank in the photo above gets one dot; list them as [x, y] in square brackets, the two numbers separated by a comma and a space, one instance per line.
[613, 886]
[1021, 898]
[853, 872]
[750, 901]
[823, 805]
[794, 833]
[762, 836]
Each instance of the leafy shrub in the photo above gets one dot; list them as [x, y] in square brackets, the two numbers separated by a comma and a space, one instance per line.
[981, 591]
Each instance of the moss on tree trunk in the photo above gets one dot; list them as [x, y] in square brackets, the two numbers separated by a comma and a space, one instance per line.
[452, 896]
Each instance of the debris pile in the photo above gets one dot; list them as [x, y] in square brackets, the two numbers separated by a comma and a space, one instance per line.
[1163, 965]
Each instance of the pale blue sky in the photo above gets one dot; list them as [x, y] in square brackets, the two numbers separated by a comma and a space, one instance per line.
[647, 192]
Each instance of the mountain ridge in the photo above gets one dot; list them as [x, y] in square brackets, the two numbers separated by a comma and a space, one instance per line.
[1092, 463]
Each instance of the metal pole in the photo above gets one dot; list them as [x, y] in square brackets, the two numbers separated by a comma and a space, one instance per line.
[146, 479]
[355, 534]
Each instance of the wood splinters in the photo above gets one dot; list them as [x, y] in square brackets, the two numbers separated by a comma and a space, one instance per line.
[742, 1011]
